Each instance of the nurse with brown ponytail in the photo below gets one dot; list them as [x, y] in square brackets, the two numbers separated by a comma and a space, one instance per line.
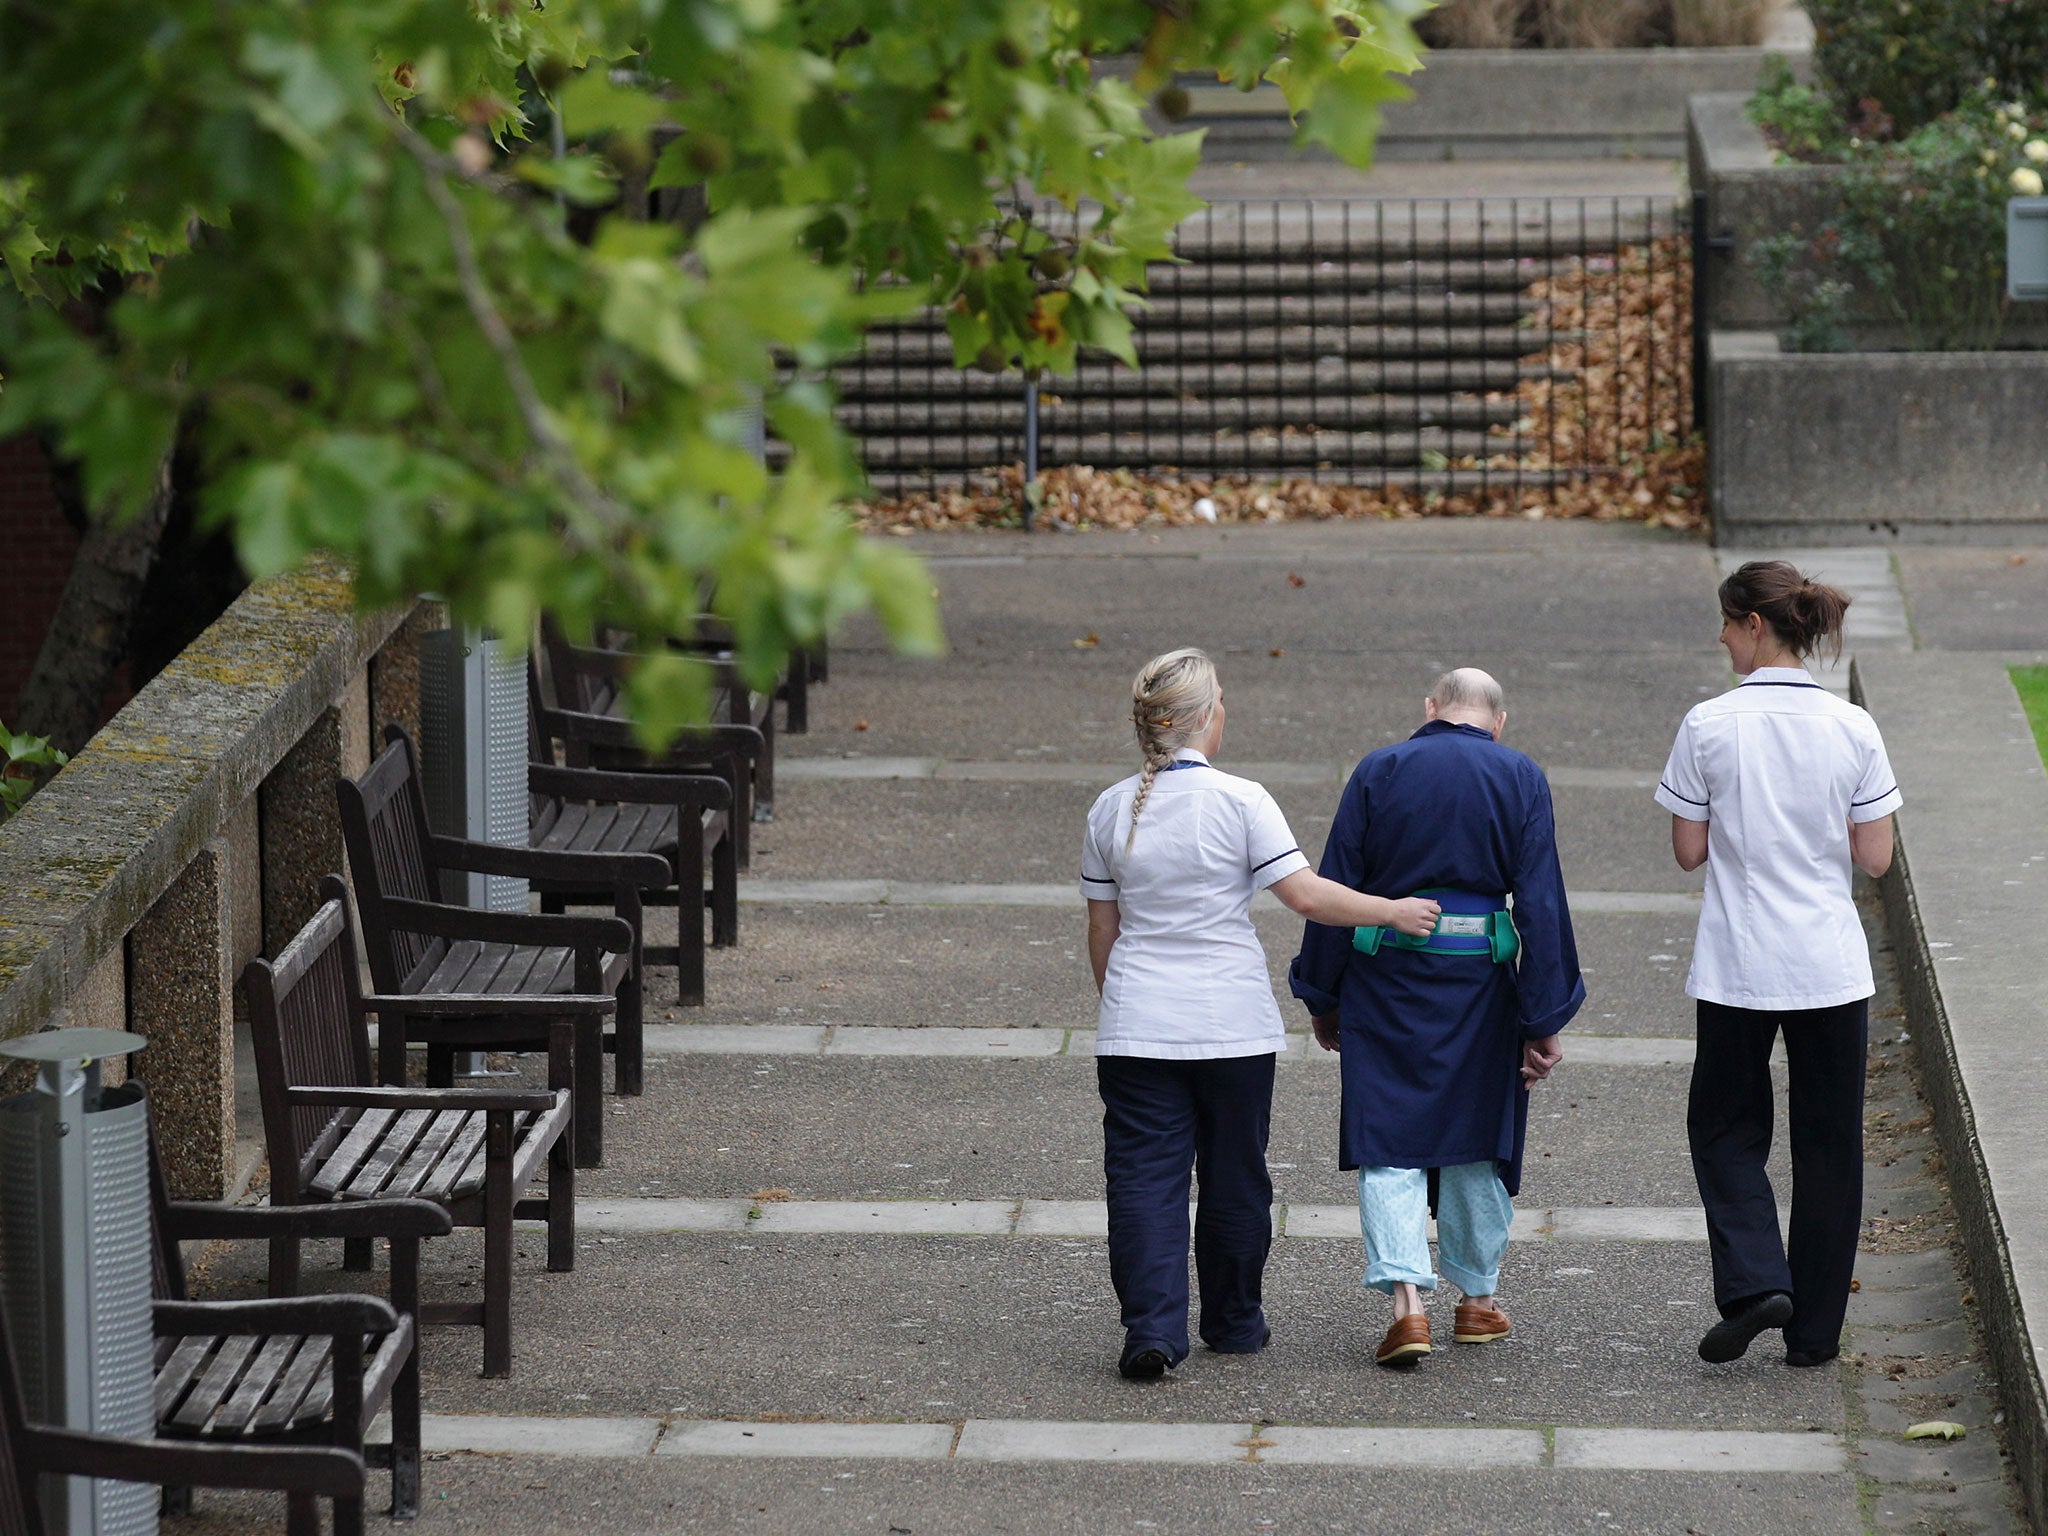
[1188, 1028]
[1782, 790]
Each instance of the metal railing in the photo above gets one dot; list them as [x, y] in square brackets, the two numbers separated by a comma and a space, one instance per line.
[1442, 345]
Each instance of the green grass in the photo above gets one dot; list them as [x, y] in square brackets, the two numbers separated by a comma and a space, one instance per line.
[2032, 683]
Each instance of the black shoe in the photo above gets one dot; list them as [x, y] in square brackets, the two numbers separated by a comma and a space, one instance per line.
[1730, 1338]
[1806, 1359]
[1144, 1365]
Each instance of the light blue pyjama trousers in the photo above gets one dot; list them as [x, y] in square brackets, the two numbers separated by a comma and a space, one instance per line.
[1472, 1211]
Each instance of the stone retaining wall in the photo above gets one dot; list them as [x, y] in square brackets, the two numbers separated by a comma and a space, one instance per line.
[190, 835]
[1964, 902]
[1875, 447]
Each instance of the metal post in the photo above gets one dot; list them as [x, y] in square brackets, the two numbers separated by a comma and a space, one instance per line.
[1704, 245]
[1030, 446]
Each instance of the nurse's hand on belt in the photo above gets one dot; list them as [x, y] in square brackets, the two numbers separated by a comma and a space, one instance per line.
[1539, 1056]
[1415, 916]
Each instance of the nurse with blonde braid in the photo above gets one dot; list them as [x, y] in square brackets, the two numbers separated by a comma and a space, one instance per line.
[1188, 1028]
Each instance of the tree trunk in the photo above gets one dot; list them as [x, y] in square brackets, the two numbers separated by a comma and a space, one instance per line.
[88, 637]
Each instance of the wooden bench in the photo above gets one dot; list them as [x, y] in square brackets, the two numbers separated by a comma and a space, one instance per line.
[304, 1474]
[588, 685]
[334, 1136]
[312, 1370]
[684, 819]
[536, 965]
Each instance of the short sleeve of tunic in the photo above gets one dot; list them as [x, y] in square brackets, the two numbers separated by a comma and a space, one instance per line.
[1274, 853]
[1876, 794]
[1682, 787]
[1098, 879]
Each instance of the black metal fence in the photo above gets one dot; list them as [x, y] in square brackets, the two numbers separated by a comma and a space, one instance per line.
[1453, 345]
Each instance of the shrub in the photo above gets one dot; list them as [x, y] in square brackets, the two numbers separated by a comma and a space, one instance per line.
[1719, 23]
[1598, 23]
[1474, 24]
[1893, 66]
[1800, 122]
[1921, 235]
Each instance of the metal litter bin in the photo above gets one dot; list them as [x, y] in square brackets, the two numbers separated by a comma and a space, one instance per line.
[75, 1273]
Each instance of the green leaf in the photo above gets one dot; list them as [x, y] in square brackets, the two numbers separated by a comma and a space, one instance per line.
[1937, 1429]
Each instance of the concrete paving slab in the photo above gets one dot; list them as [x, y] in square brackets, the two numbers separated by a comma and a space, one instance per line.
[659, 1216]
[1977, 599]
[526, 1435]
[1009, 1044]
[1679, 1450]
[1629, 1224]
[1037, 1440]
[869, 1442]
[734, 1039]
[1063, 1218]
[1449, 1450]
[870, 1218]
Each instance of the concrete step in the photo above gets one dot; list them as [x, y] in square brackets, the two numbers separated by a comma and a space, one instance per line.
[879, 380]
[1274, 343]
[1442, 482]
[1345, 268]
[879, 419]
[1218, 306]
[1257, 450]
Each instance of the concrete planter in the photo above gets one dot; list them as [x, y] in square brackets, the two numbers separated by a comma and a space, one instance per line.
[1749, 195]
[1875, 447]
[1509, 104]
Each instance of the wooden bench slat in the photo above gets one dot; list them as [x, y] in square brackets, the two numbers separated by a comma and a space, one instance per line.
[374, 1176]
[341, 1164]
[416, 1172]
[177, 1373]
[287, 1404]
[230, 1354]
[257, 1383]
[450, 1178]
[455, 963]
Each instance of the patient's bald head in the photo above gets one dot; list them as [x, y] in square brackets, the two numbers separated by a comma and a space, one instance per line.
[1468, 696]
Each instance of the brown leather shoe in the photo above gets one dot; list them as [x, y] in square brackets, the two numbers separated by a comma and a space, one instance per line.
[1476, 1324]
[1406, 1342]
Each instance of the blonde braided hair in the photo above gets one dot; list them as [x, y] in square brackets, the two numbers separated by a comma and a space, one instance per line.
[1171, 702]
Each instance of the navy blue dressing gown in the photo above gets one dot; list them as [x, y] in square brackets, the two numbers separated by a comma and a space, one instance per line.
[1432, 1043]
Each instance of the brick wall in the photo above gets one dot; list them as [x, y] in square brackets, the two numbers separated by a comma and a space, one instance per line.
[36, 549]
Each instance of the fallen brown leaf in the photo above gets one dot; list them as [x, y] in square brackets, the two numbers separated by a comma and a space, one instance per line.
[1295, 581]
[770, 1196]
[860, 725]
[1088, 642]
[1277, 651]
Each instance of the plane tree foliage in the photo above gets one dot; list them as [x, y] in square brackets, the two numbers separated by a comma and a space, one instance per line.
[385, 272]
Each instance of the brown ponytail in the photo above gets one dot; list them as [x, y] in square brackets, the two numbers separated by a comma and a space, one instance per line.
[1803, 614]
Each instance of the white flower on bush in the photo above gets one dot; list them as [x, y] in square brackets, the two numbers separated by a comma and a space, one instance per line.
[2016, 130]
[2027, 181]
[2036, 150]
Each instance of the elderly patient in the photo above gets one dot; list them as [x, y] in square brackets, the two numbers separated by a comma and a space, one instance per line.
[1441, 1037]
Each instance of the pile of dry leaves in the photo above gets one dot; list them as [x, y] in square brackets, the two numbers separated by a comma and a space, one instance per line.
[1616, 423]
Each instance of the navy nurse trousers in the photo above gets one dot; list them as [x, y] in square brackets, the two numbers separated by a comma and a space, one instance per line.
[1728, 1122]
[1159, 1120]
